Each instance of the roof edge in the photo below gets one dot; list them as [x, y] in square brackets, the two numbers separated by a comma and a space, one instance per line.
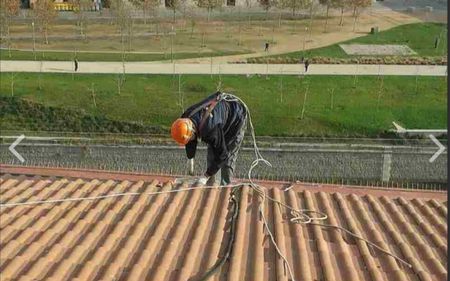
[298, 186]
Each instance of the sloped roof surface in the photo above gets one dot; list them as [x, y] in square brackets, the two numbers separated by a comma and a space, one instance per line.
[178, 236]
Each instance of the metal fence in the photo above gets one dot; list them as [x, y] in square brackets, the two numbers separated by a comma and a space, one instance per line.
[394, 166]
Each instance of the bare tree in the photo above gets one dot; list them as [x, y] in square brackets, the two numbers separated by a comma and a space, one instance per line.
[267, 5]
[332, 4]
[149, 7]
[358, 6]
[304, 102]
[293, 5]
[210, 5]
[12, 77]
[92, 90]
[123, 20]
[327, 5]
[332, 98]
[341, 5]
[193, 23]
[176, 5]
[80, 8]
[8, 9]
[45, 14]
[311, 4]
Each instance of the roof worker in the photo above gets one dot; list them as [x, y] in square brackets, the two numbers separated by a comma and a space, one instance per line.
[220, 121]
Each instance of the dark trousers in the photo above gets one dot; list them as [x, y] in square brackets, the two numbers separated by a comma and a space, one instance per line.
[227, 171]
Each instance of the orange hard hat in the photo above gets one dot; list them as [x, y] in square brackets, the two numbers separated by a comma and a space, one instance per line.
[182, 130]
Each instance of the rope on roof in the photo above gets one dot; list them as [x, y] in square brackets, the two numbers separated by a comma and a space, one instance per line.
[300, 216]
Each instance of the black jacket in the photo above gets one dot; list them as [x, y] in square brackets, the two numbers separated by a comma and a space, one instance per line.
[219, 130]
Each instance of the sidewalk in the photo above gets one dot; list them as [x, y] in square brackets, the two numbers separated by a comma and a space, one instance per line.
[238, 69]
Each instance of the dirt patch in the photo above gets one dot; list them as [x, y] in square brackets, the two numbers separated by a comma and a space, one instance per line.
[290, 42]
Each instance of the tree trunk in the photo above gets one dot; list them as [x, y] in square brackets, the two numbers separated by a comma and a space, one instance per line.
[40, 76]
[273, 33]
[8, 23]
[326, 19]
[310, 18]
[355, 15]
[144, 10]
[239, 39]
[171, 46]
[46, 36]
[130, 36]
[209, 14]
[341, 23]
[304, 102]
[12, 84]
[174, 15]
[279, 19]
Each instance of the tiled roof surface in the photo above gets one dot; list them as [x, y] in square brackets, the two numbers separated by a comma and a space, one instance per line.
[179, 236]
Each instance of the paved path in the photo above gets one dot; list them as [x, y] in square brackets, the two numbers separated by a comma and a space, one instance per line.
[240, 69]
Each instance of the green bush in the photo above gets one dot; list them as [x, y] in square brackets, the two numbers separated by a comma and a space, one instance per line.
[356, 60]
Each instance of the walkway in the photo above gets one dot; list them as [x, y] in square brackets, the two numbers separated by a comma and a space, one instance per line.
[238, 69]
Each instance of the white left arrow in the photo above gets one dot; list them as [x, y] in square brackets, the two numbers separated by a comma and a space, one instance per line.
[12, 148]
[441, 148]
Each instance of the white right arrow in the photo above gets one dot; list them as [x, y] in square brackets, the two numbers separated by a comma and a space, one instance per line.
[13, 145]
[441, 149]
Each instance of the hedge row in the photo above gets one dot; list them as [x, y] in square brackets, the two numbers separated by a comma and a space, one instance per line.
[357, 60]
[26, 114]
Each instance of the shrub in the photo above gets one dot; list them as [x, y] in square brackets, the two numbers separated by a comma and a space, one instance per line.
[194, 87]
[355, 60]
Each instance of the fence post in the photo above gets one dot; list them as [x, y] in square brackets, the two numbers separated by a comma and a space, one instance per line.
[386, 170]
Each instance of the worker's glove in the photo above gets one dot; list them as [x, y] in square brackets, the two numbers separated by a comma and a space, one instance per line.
[202, 181]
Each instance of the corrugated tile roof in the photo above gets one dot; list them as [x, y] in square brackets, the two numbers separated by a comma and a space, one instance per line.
[179, 236]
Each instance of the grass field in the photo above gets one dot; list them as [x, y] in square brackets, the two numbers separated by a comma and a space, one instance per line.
[419, 37]
[85, 56]
[335, 105]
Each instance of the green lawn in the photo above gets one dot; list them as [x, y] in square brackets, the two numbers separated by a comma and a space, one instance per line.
[419, 37]
[361, 110]
[82, 56]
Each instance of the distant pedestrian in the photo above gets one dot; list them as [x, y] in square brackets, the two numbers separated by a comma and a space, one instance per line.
[266, 48]
[75, 61]
[306, 65]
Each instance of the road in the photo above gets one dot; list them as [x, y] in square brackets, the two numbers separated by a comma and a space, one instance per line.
[237, 69]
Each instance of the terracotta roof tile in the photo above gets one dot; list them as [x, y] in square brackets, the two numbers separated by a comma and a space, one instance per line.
[179, 236]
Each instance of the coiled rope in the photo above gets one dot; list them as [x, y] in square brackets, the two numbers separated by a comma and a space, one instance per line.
[300, 216]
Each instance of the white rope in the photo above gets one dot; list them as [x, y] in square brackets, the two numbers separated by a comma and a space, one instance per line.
[300, 216]
[52, 201]
[258, 189]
